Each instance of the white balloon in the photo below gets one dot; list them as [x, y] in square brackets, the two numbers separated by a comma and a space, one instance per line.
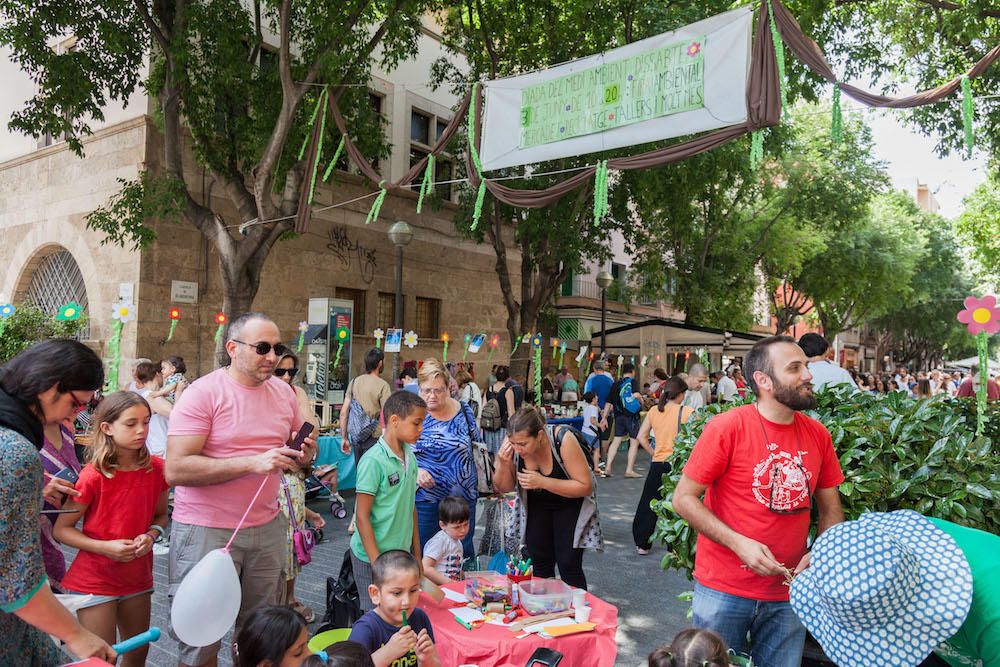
[207, 601]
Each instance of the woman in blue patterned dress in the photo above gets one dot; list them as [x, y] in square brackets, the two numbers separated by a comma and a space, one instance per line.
[444, 453]
[45, 384]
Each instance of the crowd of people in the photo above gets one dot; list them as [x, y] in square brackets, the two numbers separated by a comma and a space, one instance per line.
[761, 476]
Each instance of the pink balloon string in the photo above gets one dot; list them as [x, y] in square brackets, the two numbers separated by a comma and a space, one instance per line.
[245, 514]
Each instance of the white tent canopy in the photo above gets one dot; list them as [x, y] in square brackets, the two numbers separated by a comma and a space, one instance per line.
[663, 336]
[972, 362]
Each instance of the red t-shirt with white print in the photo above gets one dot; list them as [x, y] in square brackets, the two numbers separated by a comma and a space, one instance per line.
[751, 479]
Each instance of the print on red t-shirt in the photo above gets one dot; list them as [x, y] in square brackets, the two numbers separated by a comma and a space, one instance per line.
[118, 508]
[748, 475]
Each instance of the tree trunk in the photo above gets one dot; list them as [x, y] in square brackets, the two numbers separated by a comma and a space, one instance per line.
[240, 283]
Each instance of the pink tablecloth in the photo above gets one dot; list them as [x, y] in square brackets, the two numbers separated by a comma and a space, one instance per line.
[496, 646]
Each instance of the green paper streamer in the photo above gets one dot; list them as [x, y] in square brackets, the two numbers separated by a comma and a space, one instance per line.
[312, 120]
[445, 353]
[600, 191]
[114, 354]
[555, 351]
[377, 205]
[336, 157]
[538, 375]
[982, 346]
[489, 357]
[587, 371]
[218, 332]
[837, 122]
[779, 57]
[3, 325]
[477, 212]
[756, 148]
[340, 348]
[170, 334]
[426, 185]
[301, 341]
[967, 114]
[472, 130]
[319, 150]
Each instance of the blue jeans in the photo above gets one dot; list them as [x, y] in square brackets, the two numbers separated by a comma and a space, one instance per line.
[776, 634]
[427, 525]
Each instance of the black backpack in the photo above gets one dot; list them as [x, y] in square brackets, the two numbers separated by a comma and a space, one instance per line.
[559, 431]
[343, 606]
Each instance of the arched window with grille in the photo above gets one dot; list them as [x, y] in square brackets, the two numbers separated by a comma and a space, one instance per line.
[56, 281]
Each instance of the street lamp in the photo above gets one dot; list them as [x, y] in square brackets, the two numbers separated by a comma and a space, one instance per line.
[604, 280]
[400, 234]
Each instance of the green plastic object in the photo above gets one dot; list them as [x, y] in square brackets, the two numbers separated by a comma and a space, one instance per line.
[324, 640]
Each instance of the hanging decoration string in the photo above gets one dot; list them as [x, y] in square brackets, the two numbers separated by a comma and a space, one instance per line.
[312, 121]
[427, 185]
[477, 211]
[779, 57]
[600, 191]
[114, 356]
[319, 147]
[334, 161]
[246, 514]
[967, 114]
[377, 204]
[756, 148]
[837, 121]
[538, 375]
[982, 347]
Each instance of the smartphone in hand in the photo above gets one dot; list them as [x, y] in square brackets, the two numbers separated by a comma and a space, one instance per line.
[301, 436]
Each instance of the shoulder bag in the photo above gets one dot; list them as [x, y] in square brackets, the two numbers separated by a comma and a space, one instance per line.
[482, 457]
[303, 539]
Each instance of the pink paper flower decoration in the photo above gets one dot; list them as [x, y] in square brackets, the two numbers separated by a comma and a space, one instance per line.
[981, 315]
[694, 49]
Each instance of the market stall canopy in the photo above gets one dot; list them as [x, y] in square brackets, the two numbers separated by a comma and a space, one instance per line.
[972, 362]
[664, 336]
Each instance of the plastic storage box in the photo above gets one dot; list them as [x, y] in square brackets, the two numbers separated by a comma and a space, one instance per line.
[545, 596]
[487, 586]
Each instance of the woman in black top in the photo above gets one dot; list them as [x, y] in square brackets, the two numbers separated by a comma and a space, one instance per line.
[509, 396]
[554, 479]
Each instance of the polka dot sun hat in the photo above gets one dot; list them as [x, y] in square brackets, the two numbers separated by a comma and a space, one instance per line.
[883, 590]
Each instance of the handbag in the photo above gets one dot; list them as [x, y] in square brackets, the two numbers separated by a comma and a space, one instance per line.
[482, 458]
[303, 539]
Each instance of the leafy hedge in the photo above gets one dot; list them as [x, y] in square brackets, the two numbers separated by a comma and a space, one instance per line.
[896, 453]
[28, 325]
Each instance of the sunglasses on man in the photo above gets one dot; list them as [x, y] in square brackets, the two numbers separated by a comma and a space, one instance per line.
[280, 349]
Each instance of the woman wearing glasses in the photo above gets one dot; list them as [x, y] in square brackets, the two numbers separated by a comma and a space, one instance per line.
[292, 496]
[44, 385]
[444, 453]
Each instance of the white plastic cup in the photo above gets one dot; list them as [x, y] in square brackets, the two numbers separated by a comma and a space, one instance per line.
[582, 614]
[579, 598]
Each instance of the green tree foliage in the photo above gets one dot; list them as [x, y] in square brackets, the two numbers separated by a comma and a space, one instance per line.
[979, 223]
[226, 72]
[711, 224]
[29, 324]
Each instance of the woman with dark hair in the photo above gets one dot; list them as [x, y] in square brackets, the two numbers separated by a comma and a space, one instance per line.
[46, 384]
[273, 636]
[665, 422]
[555, 487]
[509, 396]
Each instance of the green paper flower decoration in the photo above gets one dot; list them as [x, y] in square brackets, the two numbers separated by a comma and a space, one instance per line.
[342, 334]
[70, 311]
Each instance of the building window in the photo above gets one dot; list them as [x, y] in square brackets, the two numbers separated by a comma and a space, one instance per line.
[425, 129]
[428, 318]
[358, 297]
[386, 315]
[55, 282]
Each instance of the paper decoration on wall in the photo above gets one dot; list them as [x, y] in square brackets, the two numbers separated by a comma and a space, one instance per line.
[983, 319]
[444, 339]
[494, 341]
[590, 360]
[477, 342]
[6, 310]
[536, 344]
[69, 312]
[581, 355]
[220, 321]
[303, 328]
[121, 314]
[466, 341]
[393, 339]
[341, 335]
[175, 315]
[554, 344]
[645, 360]
[617, 98]
[562, 353]
[410, 339]
[379, 334]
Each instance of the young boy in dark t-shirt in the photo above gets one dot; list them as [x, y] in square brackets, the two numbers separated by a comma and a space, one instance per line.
[395, 632]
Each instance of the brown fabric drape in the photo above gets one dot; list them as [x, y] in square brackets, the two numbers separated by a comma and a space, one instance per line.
[763, 110]
[806, 50]
[304, 212]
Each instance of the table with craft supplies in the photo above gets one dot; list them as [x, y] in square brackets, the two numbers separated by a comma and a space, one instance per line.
[330, 453]
[575, 422]
[488, 645]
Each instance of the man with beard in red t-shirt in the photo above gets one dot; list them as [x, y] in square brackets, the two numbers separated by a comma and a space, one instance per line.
[761, 468]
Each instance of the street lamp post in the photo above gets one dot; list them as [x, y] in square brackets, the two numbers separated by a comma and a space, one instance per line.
[604, 280]
[400, 234]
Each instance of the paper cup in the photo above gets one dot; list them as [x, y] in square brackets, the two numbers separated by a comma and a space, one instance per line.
[582, 614]
[579, 598]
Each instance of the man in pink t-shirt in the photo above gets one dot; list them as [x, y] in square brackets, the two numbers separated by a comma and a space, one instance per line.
[761, 468]
[229, 434]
